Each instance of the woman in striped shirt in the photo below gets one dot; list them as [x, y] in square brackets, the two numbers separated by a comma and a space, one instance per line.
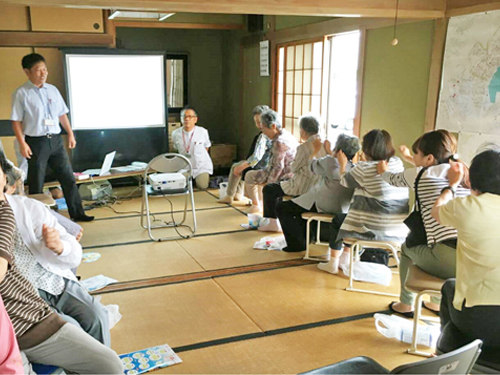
[432, 152]
[377, 209]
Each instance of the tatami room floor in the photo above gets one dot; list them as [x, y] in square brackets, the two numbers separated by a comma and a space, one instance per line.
[224, 307]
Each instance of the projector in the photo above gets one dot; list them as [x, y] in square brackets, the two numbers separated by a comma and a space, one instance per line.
[167, 182]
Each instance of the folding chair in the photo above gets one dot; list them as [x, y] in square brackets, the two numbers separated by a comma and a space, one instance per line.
[168, 163]
[319, 217]
[459, 361]
[356, 247]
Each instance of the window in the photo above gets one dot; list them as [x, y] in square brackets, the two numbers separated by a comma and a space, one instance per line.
[299, 82]
[319, 77]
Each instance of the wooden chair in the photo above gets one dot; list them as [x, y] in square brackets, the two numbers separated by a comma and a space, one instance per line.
[356, 247]
[319, 217]
[422, 283]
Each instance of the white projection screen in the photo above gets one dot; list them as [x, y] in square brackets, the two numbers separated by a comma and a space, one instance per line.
[116, 91]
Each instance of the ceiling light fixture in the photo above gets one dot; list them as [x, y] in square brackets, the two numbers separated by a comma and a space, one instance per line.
[395, 40]
[163, 17]
[113, 14]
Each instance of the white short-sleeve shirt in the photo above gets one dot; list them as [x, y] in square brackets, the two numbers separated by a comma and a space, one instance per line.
[194, 144]
[32, 105]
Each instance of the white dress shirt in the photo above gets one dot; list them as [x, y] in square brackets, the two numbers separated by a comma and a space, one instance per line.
[30, 215]
[194, 145]
[32, 105]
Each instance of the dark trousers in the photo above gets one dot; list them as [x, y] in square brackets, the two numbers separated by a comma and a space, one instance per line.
[336, 243]
[51, 151]
[294, 227]
[272, 195]
[478, 322]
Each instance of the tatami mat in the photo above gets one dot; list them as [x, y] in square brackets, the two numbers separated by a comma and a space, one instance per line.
[299, 295]
[295, 352]
[202, 200]
[124, 230]
[177, 314]
[233, 250]
[140, 261]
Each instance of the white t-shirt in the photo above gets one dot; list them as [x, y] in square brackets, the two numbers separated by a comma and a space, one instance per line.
[194, 145]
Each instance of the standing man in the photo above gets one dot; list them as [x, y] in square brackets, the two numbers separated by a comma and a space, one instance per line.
[193, 142]
[38, 112]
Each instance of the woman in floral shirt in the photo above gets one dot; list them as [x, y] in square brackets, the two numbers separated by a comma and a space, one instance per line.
[283, 149]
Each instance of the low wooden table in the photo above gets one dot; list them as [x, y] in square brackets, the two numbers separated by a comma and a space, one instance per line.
[111, 176]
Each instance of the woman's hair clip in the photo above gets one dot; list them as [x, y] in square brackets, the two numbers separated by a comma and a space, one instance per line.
[454, 157]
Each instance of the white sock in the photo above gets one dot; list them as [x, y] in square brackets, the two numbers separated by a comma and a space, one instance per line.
[345, 258]
[270, 225]
[332, 266]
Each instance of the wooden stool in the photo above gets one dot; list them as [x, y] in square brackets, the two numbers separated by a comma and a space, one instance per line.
[319, 217]
[356, 247]
[422, 283]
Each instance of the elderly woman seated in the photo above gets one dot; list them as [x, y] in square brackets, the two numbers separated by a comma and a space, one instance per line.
[302, 179]
[15, 186]
[328, 196]
[283, 149]
[258, 157]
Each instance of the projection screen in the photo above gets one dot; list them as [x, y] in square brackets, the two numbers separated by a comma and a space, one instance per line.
[116, 91]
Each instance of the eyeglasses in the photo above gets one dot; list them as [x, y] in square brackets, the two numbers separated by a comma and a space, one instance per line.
[189, 117]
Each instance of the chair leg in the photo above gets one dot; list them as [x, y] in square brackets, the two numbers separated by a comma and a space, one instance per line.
[193, 210]
[308, 237]
[417, 308]
[355, 249]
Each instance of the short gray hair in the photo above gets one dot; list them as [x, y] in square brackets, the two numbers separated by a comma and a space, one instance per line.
[260, 109]
[269, 118]
[348, 144]
[15, 177]
[309, 124]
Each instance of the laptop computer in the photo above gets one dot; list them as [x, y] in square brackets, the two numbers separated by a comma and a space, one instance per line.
[106, 166]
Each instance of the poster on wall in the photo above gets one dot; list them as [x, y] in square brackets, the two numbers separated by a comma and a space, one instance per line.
[470, 90]
[264, 58]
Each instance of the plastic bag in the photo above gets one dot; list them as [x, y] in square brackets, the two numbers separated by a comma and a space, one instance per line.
[394, 326]
[97, 282]
[369, 272]
[222, 189]
[270, 243]
[113, 314]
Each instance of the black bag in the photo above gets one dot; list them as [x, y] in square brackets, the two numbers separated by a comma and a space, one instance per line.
[379, 256]
[414, 222]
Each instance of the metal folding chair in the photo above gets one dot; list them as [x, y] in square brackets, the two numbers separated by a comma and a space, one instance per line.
[168, 163]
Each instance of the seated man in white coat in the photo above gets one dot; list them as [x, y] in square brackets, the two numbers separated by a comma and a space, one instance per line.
[193, 142]
[45, 254]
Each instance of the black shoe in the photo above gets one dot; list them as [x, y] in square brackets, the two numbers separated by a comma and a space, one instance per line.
[405, 314]
[84, 218]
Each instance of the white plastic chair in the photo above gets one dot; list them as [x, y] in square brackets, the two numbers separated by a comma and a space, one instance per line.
[356, 247]
[168, 163]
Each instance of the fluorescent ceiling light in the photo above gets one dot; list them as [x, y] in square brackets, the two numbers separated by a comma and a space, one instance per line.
[165, 16]
[113, 14]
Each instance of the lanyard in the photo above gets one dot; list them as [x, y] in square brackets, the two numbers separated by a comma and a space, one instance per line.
[188, 146]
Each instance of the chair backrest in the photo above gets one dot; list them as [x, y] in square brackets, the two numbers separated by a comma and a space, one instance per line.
[459, 361]
[170, 163]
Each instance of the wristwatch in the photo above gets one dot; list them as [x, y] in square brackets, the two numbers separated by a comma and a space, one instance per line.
[450, 188]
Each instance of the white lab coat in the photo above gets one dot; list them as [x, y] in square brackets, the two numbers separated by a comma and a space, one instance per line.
[30, 215]
[197, 141]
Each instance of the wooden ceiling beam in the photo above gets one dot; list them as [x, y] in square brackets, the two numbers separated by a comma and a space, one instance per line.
[422, 9]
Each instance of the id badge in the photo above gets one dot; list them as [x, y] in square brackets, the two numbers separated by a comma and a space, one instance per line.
[49, 122]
